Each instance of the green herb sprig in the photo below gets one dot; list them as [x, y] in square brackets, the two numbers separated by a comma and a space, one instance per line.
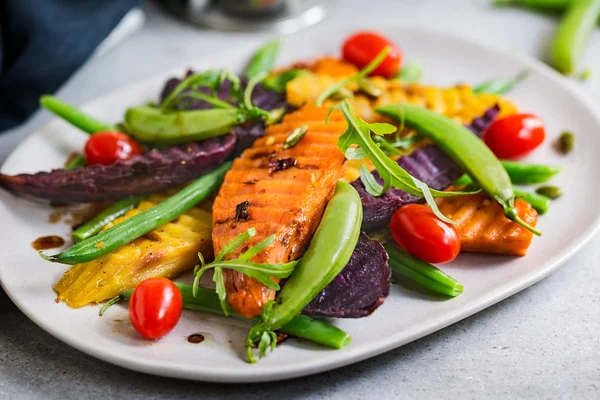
[243, 265]
[360, 75]
[359, 133]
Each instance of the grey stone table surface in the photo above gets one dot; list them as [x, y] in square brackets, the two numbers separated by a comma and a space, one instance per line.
[541, 343]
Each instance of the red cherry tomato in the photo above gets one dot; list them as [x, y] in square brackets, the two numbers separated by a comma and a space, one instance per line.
[418, 231]
[107, 147]
[515, 136]
[361, 48]
[155, 307]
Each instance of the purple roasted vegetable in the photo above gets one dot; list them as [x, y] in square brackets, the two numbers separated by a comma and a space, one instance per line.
[429, 165]
[151, 172]
[246, 134]
[360, 288]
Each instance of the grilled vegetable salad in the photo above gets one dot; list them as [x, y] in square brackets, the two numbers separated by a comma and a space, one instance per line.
[302, 190]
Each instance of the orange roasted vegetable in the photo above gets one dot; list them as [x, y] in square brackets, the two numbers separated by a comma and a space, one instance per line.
[483, 228]
[281, 192]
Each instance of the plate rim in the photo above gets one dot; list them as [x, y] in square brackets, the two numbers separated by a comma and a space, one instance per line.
[393, 341]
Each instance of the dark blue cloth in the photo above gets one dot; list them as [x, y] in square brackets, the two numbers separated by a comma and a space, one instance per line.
[43, 42]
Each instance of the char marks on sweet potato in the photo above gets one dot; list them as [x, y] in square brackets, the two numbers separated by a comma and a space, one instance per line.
[287, 202]
[483, 228]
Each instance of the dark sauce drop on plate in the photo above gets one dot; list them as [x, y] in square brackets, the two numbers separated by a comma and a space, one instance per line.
[195, 338]
[47, 242]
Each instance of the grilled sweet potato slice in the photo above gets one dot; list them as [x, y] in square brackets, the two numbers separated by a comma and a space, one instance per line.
[483, 228]
[277, 191]
[166, 251]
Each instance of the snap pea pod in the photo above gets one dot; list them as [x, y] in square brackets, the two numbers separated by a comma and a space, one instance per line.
[106, 216]
[144, 222]
[500, 86]
[263, 60]
[465, 149]
[77, 161]
[522, 173]
[572, 35]
[150, 124]
[547, 5]
[328, 253]
[73, 115]
[301, 326]
[420, 272]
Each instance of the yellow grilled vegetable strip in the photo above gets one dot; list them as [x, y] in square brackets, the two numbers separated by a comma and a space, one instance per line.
[456, 102]
[167, 251]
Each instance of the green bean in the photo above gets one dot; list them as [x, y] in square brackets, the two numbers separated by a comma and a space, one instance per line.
[301, 326]
[552, 192]
[77, 161]
[150, 124]
[522, 173]
[540, 203]
[572, 35]
[465, 149]
[328, 253]
[106, 216]
[142, 223]
[425, 274]
[410, 73]
[73, 115]
[549, 5]
[500, 86]
[263, 60]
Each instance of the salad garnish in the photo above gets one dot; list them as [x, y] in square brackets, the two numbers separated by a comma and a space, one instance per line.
[242, 264]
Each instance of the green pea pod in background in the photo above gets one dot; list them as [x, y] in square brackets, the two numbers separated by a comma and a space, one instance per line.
[144, 222]
[522, 173]
[150, 124]
[572, 35]
[468, 151]
[73, 115]
[543, 5]
[328, 253]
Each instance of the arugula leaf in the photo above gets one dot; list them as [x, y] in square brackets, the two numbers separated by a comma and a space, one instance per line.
[382, 128]
[361, 74]
[208, 78]
[371, 185]
[263, 60]
[242, 264]
[211, 99]
[279, 82]
[248, 95]
[358, 133]
[355, 153]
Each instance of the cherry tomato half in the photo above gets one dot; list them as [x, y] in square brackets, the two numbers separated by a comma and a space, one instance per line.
[361, 48]
[418, 231]
[515, 136]
[155, 307]
[107, 147]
